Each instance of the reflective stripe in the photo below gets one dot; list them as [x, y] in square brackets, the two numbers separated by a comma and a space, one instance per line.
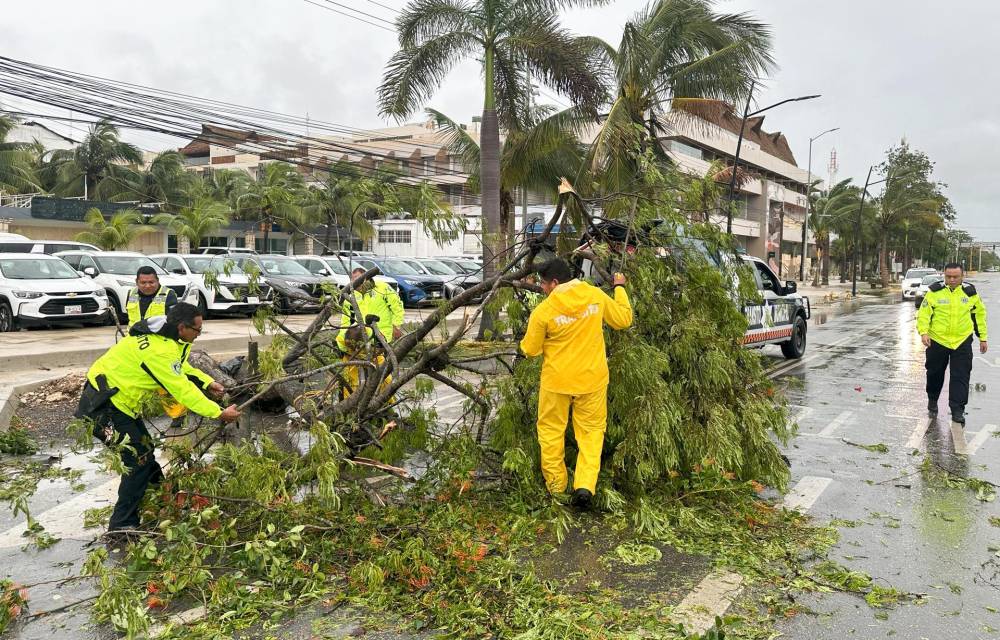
[157, 307]
[766, 335]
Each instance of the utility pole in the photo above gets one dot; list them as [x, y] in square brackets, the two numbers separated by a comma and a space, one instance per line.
[805, 221]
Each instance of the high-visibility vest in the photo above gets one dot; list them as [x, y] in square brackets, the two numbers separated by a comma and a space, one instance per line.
[158, 307]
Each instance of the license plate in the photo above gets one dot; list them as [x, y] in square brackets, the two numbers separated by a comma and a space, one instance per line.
[253, 300]
[73, 309]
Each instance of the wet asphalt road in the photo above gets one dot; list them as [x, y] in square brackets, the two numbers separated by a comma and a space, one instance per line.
[863, 380]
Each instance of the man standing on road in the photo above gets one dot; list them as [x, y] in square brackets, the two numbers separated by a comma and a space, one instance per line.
[147, 298]
[949, 315]
[567, 330]
[374, 298]
[124, 382]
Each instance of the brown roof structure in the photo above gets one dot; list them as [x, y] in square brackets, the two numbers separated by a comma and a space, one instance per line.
[725, 116]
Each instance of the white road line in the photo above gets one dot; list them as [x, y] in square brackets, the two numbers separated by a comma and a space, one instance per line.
[183, 617]
[901, 417]
[918, 434]
[984, 433]
[958, 439]
[837, 423]
[879, 355]
[66, 519]
[801, 414]
[805, 493]
[719, 589]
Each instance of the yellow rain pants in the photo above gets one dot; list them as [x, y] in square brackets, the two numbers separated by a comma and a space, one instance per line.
[590, 416]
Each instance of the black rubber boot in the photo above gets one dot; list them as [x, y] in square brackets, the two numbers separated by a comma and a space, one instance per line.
[581, 498]
[932, 408]
[958, 416]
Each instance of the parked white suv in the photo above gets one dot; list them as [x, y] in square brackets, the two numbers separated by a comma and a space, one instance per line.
[36, 289]
[115, 271]
[231, 292]
[336, 269]
[911, 281]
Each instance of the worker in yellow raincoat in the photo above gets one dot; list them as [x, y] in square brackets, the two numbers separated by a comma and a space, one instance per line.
[567, 330]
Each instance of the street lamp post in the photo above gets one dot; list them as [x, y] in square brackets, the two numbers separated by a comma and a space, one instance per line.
[805, 221]
[739, 145]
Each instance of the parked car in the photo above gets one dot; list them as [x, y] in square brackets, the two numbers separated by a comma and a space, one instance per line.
[231, 292]
[115, 271]
[911, 281]
[222, 251]
[49, 247]
[465, 276]
[293, 287]
[924, 286]
[36, 289]
[415, 288]
[337, 269]
[450, 277]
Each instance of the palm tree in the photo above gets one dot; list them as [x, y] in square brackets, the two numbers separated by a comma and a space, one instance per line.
[532, 159]
[831, 210]
[17, 172]
[203, 218]
[673, 53]
[100, 157]
[346, 201]
[165, 181]
[514, 40]
[115, 234]
[276, 197]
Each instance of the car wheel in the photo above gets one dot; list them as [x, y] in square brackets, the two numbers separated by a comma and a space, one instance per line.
[796, 346]
[284, 306]
[203, 307]
[7, 321]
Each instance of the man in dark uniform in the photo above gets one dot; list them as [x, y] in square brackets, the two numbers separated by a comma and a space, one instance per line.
[949, 315]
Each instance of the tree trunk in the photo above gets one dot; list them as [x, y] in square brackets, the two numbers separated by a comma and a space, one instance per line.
[819, 257]
[843, 262]
[326, 236]
[883, 260]
[489, 151]
[826, 262]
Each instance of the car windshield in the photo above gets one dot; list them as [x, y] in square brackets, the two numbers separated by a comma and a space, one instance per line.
[470, 266]
[282, 266]
[36, 269]
[399, 268]
[335, 265]
[126, 265]
[438, 268]
[919, 273]
[220, 265]
[931, 279]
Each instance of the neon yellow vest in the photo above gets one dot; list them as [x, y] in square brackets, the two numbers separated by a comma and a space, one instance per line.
[158, 306]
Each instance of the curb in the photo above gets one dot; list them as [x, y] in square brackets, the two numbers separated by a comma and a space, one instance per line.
[9, 395]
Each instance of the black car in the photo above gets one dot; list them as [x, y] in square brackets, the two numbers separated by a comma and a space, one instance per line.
[295, 288]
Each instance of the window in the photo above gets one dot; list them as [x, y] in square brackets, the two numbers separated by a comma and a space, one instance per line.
[679, 147]
[394, 236]
[768, 281]
[16, 247]
[314, 266]
[87, 262]
[74, 260]
[428, 164]
[173, 265]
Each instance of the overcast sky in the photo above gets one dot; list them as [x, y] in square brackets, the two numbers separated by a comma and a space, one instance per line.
[887, 69]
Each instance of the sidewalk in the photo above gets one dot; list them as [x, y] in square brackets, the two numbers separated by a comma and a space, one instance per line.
[838, 291]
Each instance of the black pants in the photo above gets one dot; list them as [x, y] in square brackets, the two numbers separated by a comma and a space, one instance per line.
[110, 425]
[959, 359]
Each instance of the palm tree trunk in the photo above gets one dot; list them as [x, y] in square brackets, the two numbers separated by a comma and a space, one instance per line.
[819, 260]
[326, 236]
[883, 259]
[489, 149]
[826, 262]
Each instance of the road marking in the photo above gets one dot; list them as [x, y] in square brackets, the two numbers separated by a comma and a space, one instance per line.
[801, 414]
[878, 355]
[805, 493]
[452, 404]
[837, 423]
[901, 417]
[64, 520]
[918, 434]
[958, 439]
[981, 437]
[719, 589]
[994, 364]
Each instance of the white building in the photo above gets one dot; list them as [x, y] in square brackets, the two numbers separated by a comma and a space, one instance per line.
[30, 132]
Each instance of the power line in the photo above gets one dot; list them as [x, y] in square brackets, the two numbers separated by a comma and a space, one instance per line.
[384, 6]
[322, 6]
[368, 15]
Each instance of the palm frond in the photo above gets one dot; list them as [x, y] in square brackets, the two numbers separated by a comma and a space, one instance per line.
[414, 73]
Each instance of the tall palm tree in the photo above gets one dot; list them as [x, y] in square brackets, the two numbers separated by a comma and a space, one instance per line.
[165, 181]
[17, 172]
[831, 210]
[203, 218]
[276, 197]
[673, 53]
[100, 156]
[114, 234]
[533, 158]
[514, 40]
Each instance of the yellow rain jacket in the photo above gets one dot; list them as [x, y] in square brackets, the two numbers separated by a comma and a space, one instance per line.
[381, 300]
[950, 316]
[146, 363]
[567, 330]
